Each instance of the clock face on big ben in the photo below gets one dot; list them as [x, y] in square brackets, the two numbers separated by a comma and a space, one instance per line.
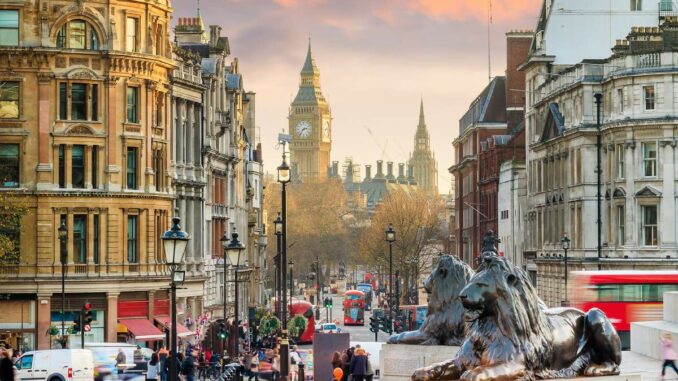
[303, 129]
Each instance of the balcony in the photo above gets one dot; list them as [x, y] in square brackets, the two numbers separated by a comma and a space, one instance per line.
[84, 271]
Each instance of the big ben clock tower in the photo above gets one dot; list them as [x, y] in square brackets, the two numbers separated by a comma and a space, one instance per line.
[310, 126]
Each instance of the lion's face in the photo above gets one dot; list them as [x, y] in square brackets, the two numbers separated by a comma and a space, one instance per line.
[447, 278]
[480, 295]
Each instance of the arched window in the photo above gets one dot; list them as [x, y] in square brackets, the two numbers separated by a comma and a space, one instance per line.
[77, 34]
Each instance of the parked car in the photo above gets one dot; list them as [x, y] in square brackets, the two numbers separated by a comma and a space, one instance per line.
[56, 365]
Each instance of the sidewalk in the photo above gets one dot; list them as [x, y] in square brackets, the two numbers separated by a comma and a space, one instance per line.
[649, 368]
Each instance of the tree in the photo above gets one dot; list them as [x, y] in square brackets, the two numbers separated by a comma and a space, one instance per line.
[417, 219]
[12, 211]
[314, 223]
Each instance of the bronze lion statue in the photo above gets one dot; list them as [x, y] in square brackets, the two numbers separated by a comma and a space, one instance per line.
[444, 324]
[512, 336]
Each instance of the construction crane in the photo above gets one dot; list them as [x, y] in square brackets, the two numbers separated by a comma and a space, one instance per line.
[376, 141]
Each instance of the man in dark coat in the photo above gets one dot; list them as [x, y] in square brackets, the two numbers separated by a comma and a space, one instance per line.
[6, 367]
[358, 367]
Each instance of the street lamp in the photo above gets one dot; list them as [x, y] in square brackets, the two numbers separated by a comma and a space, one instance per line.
[390, 238]
[290, 266]
[283, 179]
[566, 245]
[233, 249]
[175, 242]
[278, 233]
[63, 254]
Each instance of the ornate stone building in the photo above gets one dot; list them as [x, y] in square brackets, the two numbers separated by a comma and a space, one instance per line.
[85, 134]
[310, 124]
[638, 160]
[422, 159]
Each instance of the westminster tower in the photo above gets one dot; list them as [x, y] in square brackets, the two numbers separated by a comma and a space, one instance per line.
[310, 124]
[423, 160]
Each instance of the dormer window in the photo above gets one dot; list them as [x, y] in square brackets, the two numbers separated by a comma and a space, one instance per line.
[77, 34]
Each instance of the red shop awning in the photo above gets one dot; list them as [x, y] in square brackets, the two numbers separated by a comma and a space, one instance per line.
[181, 330]
[142, 329]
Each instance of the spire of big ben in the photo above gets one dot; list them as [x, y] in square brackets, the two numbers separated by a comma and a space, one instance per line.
[310, 124]
[423, 160]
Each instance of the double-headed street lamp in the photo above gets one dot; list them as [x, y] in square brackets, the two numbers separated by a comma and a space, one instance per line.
[233, 248]
[63, 256]
[175, 242]
[284, 177]
[566, 245]
[278, 233]
[390, 238]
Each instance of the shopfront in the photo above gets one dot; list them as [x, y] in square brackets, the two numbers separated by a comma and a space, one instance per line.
[18, 321]
[73, 308]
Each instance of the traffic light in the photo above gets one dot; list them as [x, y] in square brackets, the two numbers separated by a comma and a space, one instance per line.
[76, 325]
[385, 324]
[223, 334]
[374, 324]
[88, 317]
[328, 302]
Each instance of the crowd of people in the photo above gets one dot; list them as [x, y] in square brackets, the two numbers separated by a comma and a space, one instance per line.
[354, 363]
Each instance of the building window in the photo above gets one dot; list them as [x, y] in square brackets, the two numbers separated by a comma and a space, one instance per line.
[77, 34]
[636, 5]
[80, 238]
[620, 100]
[650, 159]
[666, 5]
[648, 92]
[621, 222]
[9, 100]
[132, 168]
[95, 166]
[9, 166]
[132, 255]
[84, 101]
[132, 104]
[649, 225]
[9, 27]
[620, 160]
[62, 167]
[158, 169]
[78, 166]
[131, 30]
[95, 238]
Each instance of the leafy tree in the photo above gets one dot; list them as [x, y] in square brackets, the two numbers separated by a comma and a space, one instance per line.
[12, 211]
[297, 325]
[418, 221]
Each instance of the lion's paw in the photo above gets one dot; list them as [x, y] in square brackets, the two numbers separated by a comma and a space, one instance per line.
[424, 374]
[605, 369]
[474, 375]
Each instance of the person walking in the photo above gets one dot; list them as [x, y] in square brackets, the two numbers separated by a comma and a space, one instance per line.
[668, 353]
[336, 361]
[275, 364]
[154, 368]
[188, 367]
[345, 363]
[358, 365]
[162, 356]
[295, 359]
[120, 361]
[369, 375]
[254, 367]
[138, 355]
[6, 367]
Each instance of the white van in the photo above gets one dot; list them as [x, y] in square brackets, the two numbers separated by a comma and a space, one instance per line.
[56, 365]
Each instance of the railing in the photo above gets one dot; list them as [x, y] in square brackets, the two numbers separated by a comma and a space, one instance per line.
[667, 8]
[102, 270]
[648, 60]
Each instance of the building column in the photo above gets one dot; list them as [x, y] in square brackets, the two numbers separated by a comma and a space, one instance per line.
[69, 248]
[88, 167]
[111, 326]
[151, 304]
[90, 239]
[630, 165]
[113, 182]
[44, 167]
[190, 135]
[44, 320]
[667, 208]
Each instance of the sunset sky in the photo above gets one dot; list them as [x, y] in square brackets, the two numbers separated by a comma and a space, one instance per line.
[377, 58]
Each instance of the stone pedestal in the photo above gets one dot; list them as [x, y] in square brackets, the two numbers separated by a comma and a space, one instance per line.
[646, 335]
[398, 361]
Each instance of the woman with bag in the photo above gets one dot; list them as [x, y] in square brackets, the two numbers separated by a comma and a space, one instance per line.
[154, 369]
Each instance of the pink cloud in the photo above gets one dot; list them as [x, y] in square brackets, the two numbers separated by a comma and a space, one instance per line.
[459, 10]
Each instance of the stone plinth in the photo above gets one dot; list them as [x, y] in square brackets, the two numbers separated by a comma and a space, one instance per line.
[398, 361]
[646, 336]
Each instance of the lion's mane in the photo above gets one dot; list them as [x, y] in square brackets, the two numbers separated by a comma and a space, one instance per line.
[519, 312]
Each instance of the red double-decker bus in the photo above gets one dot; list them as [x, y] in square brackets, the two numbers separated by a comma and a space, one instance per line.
[304, 309]
[354, 307]
[624, 296]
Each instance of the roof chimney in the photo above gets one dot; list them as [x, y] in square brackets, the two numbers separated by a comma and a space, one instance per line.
[410, 175]
[335, 168]
[215, 33]
[401, 174]
[368, 173]
[389, 174]
[380, 169]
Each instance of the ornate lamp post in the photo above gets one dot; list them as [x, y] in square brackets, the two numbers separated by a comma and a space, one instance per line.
[390, 238]
[233, 249]
[63, 255]
[290, 266]
[566, 245]
[278, 233]
[284, 177]
[175, 242]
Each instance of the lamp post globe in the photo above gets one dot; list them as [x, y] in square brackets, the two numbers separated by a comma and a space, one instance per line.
[174, 242]
[566, 245]
[390, 238]
[278, 224]
[234, 248]
[284, 172]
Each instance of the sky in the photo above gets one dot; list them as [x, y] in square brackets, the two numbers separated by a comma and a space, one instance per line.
[377, 59]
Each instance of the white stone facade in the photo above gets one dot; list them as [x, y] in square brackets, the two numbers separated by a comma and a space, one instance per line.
[511, 204]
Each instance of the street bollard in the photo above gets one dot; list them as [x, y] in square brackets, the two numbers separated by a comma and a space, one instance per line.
[300, 374]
